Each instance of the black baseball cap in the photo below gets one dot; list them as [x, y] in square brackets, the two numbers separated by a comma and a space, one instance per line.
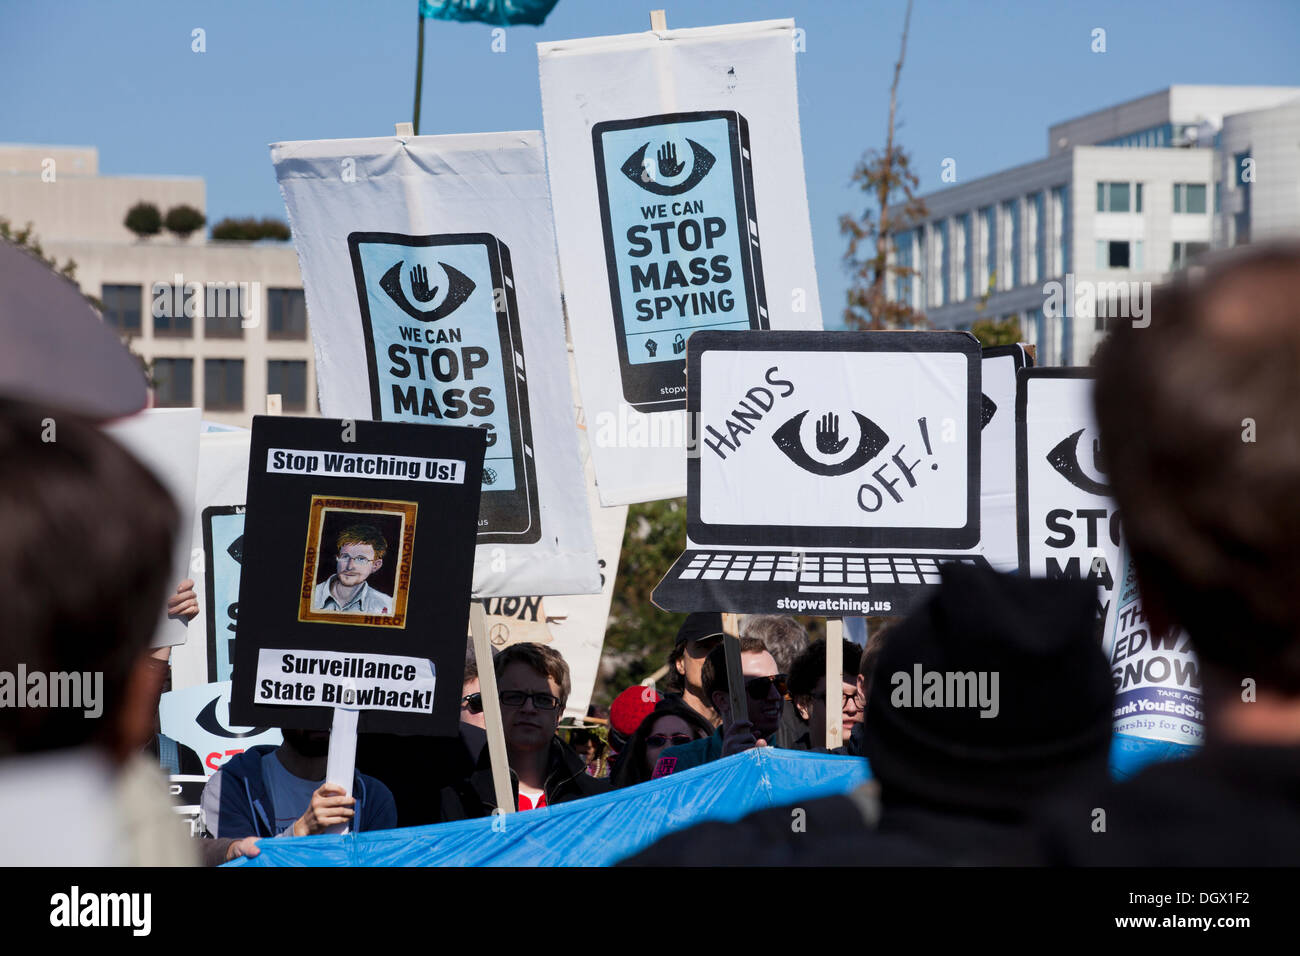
[700, 626]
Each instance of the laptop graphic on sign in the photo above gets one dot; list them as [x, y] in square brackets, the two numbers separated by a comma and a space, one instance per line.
[828, 473]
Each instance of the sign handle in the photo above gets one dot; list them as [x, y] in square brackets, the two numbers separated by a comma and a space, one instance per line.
[834, 672]
[658, 21]
[342, 754]
[735, 674]
[487, 685]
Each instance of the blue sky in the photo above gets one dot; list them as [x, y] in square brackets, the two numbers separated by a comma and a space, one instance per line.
[981, 84]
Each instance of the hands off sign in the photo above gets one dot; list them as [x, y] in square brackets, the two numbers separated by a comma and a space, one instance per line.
[358, 553]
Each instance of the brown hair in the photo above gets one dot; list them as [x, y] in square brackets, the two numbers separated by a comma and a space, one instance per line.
[542, 659]
[92, 531]
[713, 673]
[1200, 425]
[364, 534]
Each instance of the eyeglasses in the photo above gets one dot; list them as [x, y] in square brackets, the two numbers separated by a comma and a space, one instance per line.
[845, 698]
[516, 698]
[664, 740]
[473, 703]
[758, 688]
[358, 560]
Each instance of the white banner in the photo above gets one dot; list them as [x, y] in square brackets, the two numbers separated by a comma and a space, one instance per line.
[1069, 524]
[166, 440]
[216, 555]
[1157, 677]
[680, 205]
[199, 717]
[429, 269]
[998, 456]
[364, 681]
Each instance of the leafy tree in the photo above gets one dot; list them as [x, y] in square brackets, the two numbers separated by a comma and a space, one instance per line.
[250, 229]
[887, 177]
[992, 332]
[144, 219]
[184, 220]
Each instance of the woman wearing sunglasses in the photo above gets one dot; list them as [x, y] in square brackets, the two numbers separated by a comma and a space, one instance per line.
[672, 722]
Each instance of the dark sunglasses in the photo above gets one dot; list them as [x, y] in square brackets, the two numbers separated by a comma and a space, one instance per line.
[516, 698]
[758, 688]
[473, 703]
[663, 740]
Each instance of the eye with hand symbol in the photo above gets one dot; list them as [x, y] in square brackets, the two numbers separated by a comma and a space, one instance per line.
[1064, 457]
[459, 287]
[669, 165]
[871, 440]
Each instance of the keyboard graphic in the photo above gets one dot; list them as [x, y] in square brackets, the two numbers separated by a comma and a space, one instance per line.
[818, 572]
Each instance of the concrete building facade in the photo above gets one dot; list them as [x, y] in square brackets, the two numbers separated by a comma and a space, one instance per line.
[1126, 196]
[222, 324]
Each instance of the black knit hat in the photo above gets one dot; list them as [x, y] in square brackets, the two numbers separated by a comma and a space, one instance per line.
[1049, 722]
[700, 626]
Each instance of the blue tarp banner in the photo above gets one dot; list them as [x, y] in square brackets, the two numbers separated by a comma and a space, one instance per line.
[600, 831]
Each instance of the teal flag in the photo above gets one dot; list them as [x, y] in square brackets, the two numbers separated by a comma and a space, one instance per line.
[501, 12]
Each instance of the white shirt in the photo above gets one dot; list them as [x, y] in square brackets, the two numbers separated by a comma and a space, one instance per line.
[366, 601]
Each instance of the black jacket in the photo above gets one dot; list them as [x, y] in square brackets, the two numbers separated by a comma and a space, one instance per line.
[849, 830]
[566, 779]
[1226, 805]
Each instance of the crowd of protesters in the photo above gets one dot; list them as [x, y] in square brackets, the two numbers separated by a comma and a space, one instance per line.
[1211, 517]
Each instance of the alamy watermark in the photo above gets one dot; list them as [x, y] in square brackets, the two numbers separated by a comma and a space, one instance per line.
[1085, 299]
[947, 689]
[39, 689]
[220, 300]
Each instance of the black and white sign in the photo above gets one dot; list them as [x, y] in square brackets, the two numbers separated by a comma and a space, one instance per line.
[831, 471]
[998, 455]
[358, 551]
[677, 177]
[1069, 524]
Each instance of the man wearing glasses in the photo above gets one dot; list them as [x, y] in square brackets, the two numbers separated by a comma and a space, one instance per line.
[361, 550]
[765, 691]
[533, 685]
[813, 700]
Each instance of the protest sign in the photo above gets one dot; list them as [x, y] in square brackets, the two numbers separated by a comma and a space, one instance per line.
[199, 717]
[429, 269]
[359, 546]
[831, 473]
[217, 541]
[1157, 677]
[680, 205]
[998, 455]
[166, 440]
[573, 624]
[1068, 523]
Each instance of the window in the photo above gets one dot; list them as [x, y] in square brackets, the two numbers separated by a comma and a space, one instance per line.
[1113, 197]
[1060, 230]
[903, 259]
[288, 314]
[1010, 269]
[223, 312]
[1186, 253]
[173, 382]
[223, 384]
[173, 309]
[965, 253]
[1112, 255]
[941, 262]
[989, 263]
[122, 306]
[289, 381]
[1189, 197]
[1037, 238]
[1137, 206]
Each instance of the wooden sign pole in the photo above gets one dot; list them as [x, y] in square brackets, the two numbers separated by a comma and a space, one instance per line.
[834, 672]
[487, 685]
[735, 673]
